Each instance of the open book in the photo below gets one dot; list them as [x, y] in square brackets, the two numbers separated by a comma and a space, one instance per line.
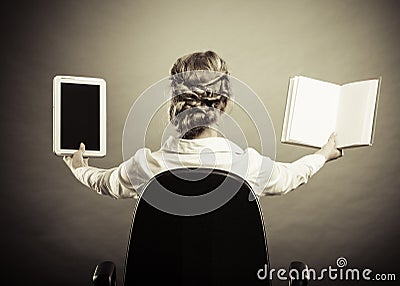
[315, 109]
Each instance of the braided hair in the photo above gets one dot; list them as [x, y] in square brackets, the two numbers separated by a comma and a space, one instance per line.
[200, 92]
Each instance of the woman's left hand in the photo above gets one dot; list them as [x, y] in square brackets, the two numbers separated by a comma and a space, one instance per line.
[330, 150]
[76, 160]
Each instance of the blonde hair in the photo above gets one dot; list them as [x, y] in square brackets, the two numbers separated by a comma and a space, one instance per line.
[200, 92]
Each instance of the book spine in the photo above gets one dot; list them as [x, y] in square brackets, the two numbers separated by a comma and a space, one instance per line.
[375, 111]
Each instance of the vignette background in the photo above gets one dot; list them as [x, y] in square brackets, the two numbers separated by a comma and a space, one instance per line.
[55, 231]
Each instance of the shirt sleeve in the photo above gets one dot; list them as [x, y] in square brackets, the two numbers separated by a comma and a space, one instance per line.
[122, 182]
[285, 177]
[112, 182]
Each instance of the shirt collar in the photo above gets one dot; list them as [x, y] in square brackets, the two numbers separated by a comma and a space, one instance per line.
[200, 145]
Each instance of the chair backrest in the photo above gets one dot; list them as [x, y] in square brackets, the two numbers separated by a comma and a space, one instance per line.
[219, 245]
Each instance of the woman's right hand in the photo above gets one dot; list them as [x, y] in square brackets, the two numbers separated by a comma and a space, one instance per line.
[77, 160]
[329, 150]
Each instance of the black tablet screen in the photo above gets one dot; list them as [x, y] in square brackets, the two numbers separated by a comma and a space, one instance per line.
[80, 116]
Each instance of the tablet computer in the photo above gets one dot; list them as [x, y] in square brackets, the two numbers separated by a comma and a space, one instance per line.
[79, 115]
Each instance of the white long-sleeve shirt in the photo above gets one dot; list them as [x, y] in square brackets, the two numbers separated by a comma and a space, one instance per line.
[266, 177]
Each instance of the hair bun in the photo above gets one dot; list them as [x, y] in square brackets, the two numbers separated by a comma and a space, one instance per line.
[194, 119]
[200, 91]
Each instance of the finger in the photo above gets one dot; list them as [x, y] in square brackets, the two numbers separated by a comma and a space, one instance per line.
[332, 137]
[68, 161]
[77, 154]
[80, 151]
[82, 147]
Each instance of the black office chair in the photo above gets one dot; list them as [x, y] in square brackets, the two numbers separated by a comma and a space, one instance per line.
[195, 227]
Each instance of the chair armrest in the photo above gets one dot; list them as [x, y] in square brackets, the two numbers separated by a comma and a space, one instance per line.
[298, 274]
[105, 274]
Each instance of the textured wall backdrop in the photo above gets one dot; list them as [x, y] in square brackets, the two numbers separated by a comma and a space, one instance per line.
[54, 230]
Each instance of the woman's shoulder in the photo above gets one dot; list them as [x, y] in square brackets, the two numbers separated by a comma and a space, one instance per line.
[252, 152]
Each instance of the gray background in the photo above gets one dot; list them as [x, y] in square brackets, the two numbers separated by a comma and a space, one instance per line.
[55, 231]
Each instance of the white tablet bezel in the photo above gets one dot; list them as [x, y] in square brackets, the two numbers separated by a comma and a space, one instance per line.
[57, 80]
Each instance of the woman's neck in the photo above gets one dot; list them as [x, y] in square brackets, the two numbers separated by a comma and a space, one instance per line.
[208, 132]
